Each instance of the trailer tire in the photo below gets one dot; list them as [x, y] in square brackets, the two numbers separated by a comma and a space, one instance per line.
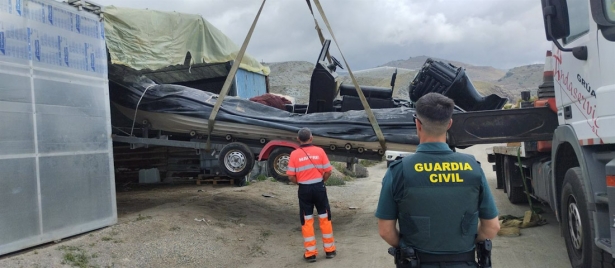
[515, 194]
[278, 162]
[582, 251]
[236, 159]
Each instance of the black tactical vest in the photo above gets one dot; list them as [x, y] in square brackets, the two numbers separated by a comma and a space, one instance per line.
[437, 196]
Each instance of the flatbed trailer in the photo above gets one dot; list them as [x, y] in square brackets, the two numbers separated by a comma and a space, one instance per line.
[230, 157]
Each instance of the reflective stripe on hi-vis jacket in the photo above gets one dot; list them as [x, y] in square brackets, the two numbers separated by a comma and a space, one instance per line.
[308, 163]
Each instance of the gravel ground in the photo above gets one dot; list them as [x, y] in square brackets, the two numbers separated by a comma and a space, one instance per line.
[202, 226]
[239, 227]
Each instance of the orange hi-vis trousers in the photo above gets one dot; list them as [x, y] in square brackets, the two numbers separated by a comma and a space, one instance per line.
[309, 238]
[309, 196]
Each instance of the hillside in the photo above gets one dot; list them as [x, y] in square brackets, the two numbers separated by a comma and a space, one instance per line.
[522, 78]
[489, 80]
[479, 73]
[381, 77]
[293, 78]
[488, 88]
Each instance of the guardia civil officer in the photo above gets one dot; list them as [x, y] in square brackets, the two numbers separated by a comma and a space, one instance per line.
[309, 167]
[440, 197]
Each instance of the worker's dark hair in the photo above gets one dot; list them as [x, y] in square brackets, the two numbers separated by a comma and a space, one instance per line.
[304, 134]
[435, 111]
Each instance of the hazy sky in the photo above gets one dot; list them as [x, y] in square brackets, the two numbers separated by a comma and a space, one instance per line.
[499, 33]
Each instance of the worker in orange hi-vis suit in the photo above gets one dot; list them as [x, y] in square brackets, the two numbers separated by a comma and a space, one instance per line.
[309, 167]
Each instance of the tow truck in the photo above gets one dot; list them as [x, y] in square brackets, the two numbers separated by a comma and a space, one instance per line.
[574, 171]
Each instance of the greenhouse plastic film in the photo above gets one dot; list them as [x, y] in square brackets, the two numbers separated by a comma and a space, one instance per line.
[56, 169]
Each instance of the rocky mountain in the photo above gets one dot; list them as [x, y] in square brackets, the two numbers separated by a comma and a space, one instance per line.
[521, 78]
[293, 78]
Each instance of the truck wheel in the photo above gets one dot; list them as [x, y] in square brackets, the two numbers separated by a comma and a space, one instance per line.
[515, 194]
[578, 224]
[236, 159]
[278, 162]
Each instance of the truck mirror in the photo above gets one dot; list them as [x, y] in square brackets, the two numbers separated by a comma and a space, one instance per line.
[555, 17]
[557, 25]
[602, 12]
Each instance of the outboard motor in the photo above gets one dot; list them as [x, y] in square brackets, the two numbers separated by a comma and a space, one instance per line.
[451, 81]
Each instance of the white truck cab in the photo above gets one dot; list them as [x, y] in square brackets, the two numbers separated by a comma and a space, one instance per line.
[583, 80]
[574, 172]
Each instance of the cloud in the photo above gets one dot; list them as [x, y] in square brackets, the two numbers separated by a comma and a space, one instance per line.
[499, 33]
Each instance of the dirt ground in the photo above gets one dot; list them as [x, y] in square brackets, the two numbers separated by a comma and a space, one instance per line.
[228, 226]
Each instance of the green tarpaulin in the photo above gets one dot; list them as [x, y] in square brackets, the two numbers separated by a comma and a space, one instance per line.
[149, 39]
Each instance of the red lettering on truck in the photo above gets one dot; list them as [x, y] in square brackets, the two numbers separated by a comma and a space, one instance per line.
[587, 108]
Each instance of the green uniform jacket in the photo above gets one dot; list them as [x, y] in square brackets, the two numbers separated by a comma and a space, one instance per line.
[437, 196]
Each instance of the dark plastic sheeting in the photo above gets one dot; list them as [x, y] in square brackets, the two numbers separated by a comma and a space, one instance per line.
[126, 89]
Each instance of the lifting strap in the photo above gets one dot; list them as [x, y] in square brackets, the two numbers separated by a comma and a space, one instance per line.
[368, 110]
[320, 35]
[229, 80]
[527, 192]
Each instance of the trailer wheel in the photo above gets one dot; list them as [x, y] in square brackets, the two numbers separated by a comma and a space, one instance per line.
[515, 194]
[278, 162]
[578, 224]
[236, 159]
